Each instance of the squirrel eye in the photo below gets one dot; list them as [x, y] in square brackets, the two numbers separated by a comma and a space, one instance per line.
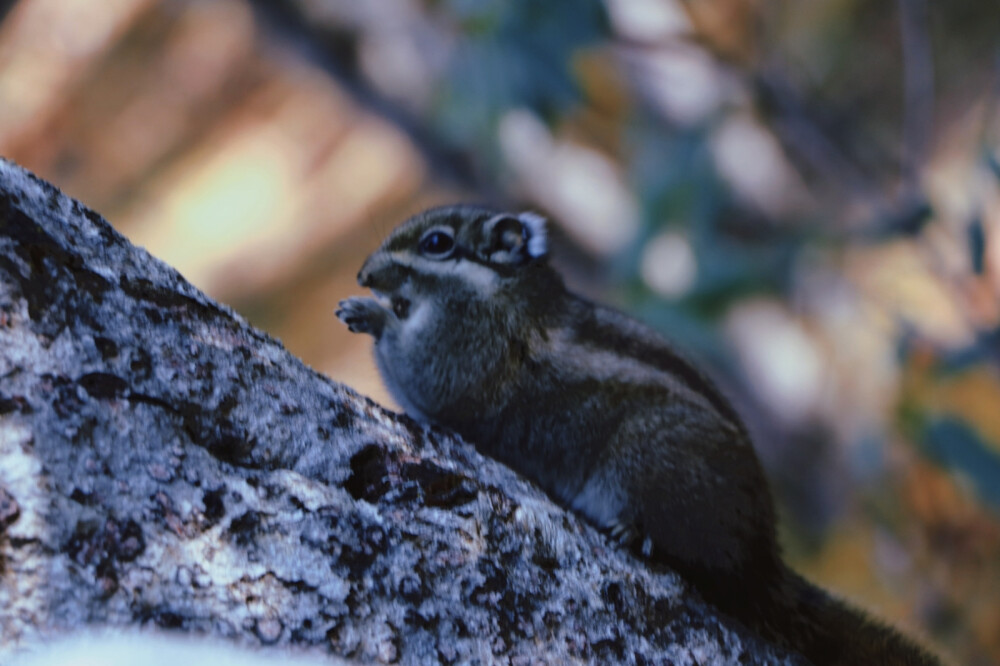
[437, 244]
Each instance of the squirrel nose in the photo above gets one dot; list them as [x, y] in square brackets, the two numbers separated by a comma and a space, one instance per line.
[381, 273]
[366, 274]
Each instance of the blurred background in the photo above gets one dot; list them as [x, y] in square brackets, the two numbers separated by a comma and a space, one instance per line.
[805, 196]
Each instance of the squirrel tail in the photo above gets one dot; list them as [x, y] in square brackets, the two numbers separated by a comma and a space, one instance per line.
[830, 632]
[787, 610]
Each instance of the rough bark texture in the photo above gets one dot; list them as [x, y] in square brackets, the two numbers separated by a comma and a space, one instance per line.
[163, 464]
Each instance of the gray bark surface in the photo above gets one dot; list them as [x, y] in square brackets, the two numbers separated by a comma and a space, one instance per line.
[163, 465]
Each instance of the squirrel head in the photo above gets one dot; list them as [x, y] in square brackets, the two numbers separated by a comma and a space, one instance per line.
[465, 251]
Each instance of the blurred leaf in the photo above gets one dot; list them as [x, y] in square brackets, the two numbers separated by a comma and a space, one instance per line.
[670, 171]
[678, 186]
[730, 271]
[993, 162]
[906, 219]
[693, 336]
[955, 445]
[977, 245]
[986, 347]
[514, 55]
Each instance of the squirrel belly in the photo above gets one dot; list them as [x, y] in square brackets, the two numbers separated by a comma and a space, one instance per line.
[476, 332]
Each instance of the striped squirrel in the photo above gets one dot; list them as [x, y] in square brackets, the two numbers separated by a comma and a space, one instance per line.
[474, 330]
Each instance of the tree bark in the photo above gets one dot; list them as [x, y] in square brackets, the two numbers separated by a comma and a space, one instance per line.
[165, 465]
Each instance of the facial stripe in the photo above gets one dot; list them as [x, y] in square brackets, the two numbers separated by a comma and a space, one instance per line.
[483, 277]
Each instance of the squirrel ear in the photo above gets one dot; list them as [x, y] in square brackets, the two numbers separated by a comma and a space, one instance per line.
[538, 239]
[512, 239]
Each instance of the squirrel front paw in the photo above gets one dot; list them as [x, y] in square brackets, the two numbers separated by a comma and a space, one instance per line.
[362, 315]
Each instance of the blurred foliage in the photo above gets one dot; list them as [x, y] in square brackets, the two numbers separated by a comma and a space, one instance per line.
[803, 195]
[512, 54]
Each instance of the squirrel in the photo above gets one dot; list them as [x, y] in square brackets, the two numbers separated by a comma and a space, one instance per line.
[475, 331]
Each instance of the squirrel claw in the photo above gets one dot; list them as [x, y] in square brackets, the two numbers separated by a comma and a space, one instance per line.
[362, 315]
[623, 533]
